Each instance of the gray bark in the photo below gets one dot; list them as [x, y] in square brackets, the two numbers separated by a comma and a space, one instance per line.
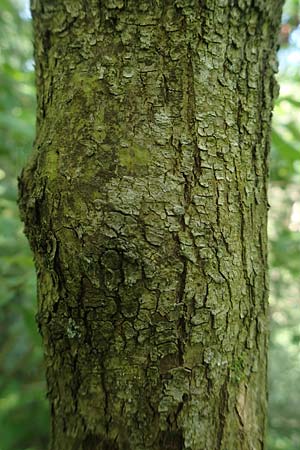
[145, 205]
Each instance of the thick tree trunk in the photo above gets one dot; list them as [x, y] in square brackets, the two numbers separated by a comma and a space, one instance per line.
[145, 206]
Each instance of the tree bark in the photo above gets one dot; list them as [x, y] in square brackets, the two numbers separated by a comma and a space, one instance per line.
[145, 205]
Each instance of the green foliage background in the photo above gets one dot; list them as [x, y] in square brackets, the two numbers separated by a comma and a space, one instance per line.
[23, 406]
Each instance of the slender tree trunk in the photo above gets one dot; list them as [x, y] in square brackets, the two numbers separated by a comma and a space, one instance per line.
[145, 205]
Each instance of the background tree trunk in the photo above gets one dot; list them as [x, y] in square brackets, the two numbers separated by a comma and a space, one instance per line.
[145, 205]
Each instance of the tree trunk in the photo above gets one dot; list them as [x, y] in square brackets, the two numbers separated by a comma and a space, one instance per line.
[145, 205]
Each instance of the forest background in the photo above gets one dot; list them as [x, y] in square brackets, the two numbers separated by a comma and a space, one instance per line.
[23, 404]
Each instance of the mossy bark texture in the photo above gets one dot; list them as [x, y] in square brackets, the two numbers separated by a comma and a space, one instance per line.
[145, 205]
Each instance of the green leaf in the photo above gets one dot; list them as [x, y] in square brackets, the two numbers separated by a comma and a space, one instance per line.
[286, 149]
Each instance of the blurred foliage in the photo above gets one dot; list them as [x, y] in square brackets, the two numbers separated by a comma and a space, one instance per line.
[284, 235]
[23, 407]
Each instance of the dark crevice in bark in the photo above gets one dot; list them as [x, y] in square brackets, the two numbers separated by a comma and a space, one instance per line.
[171, 440]
[182, 328]
[223, 411]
